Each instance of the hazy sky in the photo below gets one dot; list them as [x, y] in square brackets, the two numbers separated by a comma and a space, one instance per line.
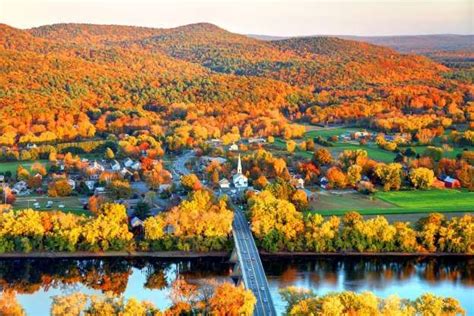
[270, 17]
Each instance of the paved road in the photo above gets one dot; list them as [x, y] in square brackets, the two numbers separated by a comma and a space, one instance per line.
[252, 269]
[179, 165]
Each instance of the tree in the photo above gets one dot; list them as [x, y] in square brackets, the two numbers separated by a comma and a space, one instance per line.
[9, 304]
[95, 202]
[290, 146]
[59, 187]
[261, 182]
[232, 300]
[157, 175]
[39, 168]
[389, 175]
[322, 156]
[354, 174]
[142, 210]
[109, 154]
[22, 173]
[336, 178]
[300, 199]
[215, 177]
[72, 304]
[422, 178]
[119, 189]
[275, 230]
[190, 182]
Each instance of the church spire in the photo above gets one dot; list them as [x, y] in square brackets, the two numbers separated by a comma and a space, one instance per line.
[239, 166]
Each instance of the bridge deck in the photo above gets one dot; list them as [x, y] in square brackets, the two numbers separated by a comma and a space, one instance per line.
[253, 274]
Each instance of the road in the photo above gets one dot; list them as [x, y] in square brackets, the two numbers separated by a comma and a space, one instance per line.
[179, 165]
[252, 269]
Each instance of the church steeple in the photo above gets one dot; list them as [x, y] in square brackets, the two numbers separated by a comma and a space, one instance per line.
[239, 166]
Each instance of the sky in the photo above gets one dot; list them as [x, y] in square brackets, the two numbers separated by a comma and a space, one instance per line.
[264, 17]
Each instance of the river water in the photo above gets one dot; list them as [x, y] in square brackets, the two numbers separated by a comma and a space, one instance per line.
[37, 281]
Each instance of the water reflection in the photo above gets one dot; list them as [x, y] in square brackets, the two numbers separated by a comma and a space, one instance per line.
[372, 271]
[149, 279]
[106, 275]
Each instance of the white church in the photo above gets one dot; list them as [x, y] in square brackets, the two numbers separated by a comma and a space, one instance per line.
[239, 180]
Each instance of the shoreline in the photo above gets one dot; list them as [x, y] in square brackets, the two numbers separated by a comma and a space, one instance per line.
[216, 254]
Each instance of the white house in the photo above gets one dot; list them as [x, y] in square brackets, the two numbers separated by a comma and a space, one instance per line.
[136, 165]
[125, 172]
[257, 140]
[20, 186]
[128, 163]
[300, 183]
[234, 147]
[224, 184]
[71, 183]
[97, 167]
[116, 166]
[90, 184]
[135, 222]
[240, 181]
[324, 182]
[99, 190]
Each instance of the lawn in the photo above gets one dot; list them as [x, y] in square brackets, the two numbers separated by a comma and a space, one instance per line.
[13, 165]
[373, 151]
[397, 202]
[71, 203]
[440, 200]
[447, 154]
[329, 202]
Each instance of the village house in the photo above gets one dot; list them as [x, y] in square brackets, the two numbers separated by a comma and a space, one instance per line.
[240, 181]
[257, 140]
[451, 183]
[72, 183]
[233, 147]
[115, 166]
[224, 184]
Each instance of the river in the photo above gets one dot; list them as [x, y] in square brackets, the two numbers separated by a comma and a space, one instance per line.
[37, 281]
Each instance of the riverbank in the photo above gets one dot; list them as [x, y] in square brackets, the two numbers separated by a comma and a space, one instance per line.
[114, 254]
[216, 254]
[296, 254]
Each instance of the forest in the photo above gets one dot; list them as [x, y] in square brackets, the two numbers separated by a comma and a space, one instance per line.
[76, 82]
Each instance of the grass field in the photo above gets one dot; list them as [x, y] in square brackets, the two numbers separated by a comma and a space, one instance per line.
[71, 203]
[351, 201]
[397, 202]
[449, 200]
[372, 150]
[13, 165]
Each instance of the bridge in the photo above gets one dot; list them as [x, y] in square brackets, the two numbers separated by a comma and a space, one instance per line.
[248, 266]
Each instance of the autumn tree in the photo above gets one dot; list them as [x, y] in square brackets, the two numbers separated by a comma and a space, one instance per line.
[390, 175]
[109, 154]
[9, 305]
[422, 178]
[119, 189]
[232, 300]
[60, 187]
[191, 182]
[354, 174]
[322, 156]
[336, 178]
[273, 228]
[290, 146]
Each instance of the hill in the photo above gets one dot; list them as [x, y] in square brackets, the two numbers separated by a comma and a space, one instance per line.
[421, 44]
[193, 82]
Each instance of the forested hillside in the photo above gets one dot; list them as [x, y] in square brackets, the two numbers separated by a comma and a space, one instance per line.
[75, 81]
